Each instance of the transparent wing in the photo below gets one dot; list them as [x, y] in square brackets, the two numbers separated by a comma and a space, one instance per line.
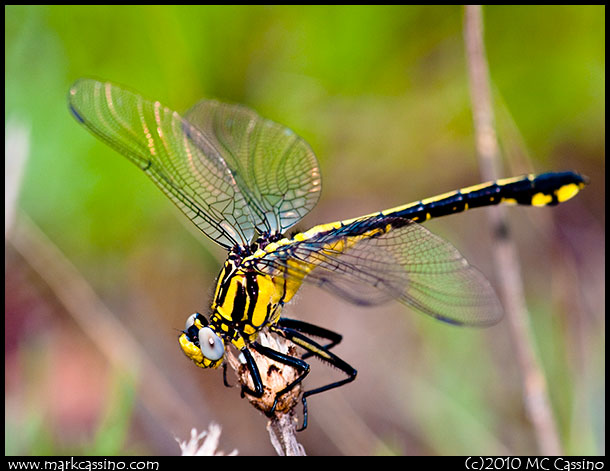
[276, 169]
[382, 258]
[183, 161]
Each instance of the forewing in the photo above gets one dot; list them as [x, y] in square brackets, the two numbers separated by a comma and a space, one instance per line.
[173, 153]
[373, 261]
[275, 169]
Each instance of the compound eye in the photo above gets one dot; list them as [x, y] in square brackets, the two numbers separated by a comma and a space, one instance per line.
[211, 344]
[190, 322]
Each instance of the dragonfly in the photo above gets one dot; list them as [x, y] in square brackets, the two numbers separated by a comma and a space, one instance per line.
[245, 181]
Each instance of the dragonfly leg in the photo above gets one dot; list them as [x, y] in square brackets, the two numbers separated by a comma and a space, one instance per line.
[320, 352]
[224, 375]
[254, 373]
[312, 330]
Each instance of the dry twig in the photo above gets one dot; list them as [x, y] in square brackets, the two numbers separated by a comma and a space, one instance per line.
[275, 376]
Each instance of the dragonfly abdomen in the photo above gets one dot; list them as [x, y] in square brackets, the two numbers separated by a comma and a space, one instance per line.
[547, 189]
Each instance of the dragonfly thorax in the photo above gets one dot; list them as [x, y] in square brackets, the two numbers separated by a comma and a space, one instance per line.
[245, 301]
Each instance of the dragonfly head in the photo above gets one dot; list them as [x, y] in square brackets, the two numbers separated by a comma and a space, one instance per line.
[200, 343]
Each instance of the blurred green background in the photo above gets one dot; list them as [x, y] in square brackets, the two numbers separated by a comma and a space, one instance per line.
[381, 94]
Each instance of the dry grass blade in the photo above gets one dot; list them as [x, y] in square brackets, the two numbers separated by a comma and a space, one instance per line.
[204, 443]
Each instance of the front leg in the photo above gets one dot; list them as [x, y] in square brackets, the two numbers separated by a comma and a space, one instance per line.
[254, 374]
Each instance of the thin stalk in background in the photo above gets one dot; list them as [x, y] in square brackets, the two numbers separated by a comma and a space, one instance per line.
[535, 394]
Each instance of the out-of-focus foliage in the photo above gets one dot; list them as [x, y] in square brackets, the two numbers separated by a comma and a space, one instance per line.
[381, 94]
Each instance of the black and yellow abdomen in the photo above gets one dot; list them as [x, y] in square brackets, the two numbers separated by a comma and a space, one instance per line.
[547, 189]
